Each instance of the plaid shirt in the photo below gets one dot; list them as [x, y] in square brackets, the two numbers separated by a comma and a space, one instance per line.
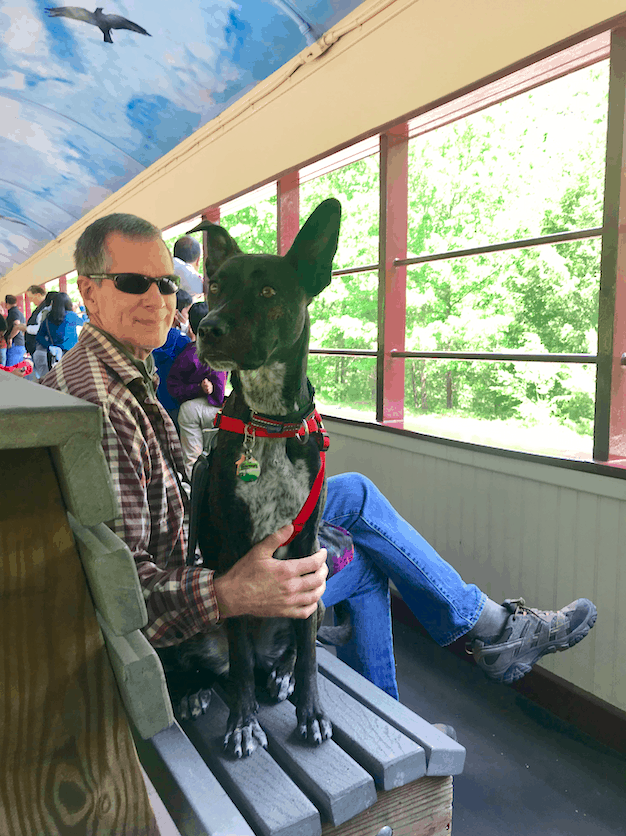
[143, 453]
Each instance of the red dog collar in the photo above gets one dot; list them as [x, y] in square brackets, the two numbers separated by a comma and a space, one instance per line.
[264, 427]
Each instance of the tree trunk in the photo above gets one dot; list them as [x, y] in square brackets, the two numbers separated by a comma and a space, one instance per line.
[413, 386]
[424, 404]
[449, 389]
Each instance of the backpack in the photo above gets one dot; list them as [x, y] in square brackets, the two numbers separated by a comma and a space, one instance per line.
[30, 340]
[53, 352]
[199, 484]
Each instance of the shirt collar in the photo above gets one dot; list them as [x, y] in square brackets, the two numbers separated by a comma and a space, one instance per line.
[120, 358]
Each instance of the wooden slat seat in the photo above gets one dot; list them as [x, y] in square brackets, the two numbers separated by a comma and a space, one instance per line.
[373, 773]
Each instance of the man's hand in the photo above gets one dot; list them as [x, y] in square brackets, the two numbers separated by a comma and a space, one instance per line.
[260, 585]
[207, 386]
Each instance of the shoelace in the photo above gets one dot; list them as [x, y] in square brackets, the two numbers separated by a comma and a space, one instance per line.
[517, 606]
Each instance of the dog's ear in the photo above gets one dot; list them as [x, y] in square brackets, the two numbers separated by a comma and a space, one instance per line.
[314, 248]
[220, 246]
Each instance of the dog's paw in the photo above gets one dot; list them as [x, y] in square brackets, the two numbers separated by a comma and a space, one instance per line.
[242, 739]
[280, 686]
[190, 692]
[193, 705]
[315, 727]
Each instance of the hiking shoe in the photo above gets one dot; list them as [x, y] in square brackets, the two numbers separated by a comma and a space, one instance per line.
[530, 634]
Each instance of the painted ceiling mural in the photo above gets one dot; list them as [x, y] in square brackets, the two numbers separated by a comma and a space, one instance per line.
[90, 97]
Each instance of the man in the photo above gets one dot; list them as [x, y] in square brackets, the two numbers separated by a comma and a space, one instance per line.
[187, 252]
[36, 296]
[125, 279]
[112, 366]
[13, 335]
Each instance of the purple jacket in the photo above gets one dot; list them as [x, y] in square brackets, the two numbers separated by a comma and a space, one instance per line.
[186, 375]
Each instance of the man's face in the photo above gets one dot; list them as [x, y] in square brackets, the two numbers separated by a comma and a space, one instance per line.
[141, 323]
[35, 298]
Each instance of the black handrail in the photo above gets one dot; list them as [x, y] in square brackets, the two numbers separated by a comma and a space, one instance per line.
[516, 356]
[520, 244]
[367, 268]
[503, 356]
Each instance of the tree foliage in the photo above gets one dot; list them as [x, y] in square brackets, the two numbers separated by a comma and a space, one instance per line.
[530, 166]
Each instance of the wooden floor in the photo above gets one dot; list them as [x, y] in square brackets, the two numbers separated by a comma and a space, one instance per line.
[527, 773]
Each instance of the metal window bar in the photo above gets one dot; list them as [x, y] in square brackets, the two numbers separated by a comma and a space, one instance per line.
[504, 357]
[367, 268]
[556, 238]
[521, 244]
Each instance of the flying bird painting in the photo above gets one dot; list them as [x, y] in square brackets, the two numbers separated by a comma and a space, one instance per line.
[104, 22]
[86, 107]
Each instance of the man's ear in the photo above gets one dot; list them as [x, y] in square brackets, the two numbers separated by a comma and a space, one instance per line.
[86, 288]
[314, 248]
[220, 247]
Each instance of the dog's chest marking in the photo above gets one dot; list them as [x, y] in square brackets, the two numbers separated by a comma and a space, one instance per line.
[279, 493]
[263, 389]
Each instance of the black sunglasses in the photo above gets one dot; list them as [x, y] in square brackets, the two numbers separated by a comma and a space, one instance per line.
[137, 284]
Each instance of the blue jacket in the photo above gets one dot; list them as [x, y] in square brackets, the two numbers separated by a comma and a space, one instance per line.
[64, 335]
[163, 358]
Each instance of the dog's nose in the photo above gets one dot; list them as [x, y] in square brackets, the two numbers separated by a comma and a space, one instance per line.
[212, 328]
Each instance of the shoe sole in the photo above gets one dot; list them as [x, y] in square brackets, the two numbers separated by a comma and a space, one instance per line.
[520, 669]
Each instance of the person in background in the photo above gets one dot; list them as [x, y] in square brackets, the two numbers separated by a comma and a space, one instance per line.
[57, 332]
[184, 302]
[198, 389]
[36, 295]
[187, 252]
[169, 351]
[13, 336]
[22, 368]
[39, 353]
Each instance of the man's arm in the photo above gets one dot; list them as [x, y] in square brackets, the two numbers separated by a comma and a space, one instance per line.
[15, 329]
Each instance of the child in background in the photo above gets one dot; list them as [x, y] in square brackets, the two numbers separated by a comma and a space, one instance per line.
[198, 389]
[169, 351]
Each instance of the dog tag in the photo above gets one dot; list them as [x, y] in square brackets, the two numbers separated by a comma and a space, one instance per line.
[248, 468]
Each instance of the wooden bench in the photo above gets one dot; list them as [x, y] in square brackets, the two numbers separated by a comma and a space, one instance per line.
[384, 766]
[69, 763]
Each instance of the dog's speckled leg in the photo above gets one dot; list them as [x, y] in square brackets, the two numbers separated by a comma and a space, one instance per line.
[313, 724]
[281, 681]
[243, 732]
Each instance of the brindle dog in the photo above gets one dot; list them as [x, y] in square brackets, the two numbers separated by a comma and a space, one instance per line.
[258, 329]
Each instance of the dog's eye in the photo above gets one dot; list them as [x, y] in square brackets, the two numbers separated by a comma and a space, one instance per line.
[213, 287]
[268, 292]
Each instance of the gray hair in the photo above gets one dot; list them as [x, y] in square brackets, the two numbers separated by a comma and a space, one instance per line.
[91, 256]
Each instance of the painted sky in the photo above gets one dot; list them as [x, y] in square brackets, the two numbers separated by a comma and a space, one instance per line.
[81, 117]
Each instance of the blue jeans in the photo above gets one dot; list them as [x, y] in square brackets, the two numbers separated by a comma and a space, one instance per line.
[15, 355]
[386, 546]
[3, 356]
